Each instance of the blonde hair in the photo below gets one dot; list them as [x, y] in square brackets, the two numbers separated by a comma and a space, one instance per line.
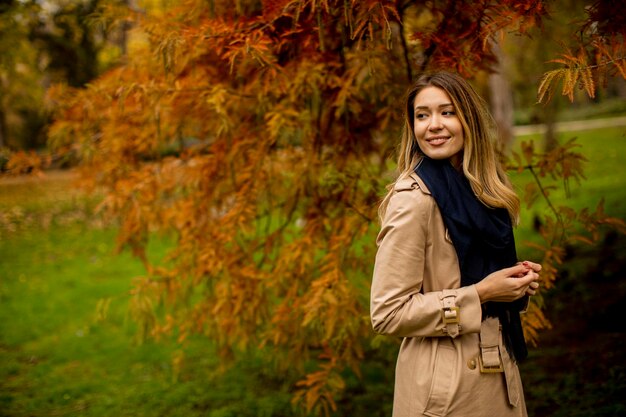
[481, 164]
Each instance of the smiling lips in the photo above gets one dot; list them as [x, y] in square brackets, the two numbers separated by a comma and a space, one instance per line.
[437, 140]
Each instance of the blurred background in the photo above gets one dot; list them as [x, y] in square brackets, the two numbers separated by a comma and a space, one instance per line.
[127, 129]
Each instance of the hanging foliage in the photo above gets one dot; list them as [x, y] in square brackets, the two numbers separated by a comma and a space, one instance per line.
[258, 134]
[601, 53]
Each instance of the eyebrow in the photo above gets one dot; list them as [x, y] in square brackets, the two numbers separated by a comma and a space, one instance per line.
[440, 106]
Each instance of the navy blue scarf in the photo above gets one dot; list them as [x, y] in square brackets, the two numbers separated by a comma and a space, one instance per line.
[483, 240]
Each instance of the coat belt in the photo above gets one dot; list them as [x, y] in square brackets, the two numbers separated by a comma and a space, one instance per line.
[490, 358]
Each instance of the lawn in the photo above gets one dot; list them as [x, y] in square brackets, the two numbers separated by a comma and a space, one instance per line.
[59, 357]
[604, 172]
[578, 369]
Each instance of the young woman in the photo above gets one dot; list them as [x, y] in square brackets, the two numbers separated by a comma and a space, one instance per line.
[446, 277]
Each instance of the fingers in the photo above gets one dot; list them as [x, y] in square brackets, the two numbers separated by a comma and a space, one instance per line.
[510, 284]
[522, 284]
[531, 277]
[532, 288]
[515, 271]
[534, 266]
[528, 278]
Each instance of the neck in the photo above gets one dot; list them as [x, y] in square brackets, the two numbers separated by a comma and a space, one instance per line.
[457, 161]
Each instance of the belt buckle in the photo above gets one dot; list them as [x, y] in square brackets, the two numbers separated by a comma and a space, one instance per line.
[451, 315]
[489, 369]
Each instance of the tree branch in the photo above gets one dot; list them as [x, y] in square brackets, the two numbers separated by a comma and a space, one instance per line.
[547, 199]
[429, 52]
[405, 47]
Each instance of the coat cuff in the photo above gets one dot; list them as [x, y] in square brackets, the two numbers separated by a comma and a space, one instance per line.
[469, 311]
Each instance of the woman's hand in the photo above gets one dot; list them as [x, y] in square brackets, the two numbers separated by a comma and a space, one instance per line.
[532, 288]
[510, 284]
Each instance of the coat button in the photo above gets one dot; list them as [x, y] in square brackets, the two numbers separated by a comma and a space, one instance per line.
[471, 364]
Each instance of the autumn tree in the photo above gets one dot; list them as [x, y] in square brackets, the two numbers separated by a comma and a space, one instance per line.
[258, 135]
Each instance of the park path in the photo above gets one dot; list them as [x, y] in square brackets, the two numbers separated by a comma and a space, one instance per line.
[51, 175]
[571, 125]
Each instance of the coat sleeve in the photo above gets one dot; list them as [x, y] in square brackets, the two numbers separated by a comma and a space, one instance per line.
[398, 307]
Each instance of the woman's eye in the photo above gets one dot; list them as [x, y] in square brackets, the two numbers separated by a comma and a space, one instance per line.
[448, 113]
[420, 115]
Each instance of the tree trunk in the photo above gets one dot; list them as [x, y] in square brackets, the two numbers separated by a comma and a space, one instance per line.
[501, 97]
[620, 86]
[1, 129]
[122, 40]
[550, 112]
[3, 122]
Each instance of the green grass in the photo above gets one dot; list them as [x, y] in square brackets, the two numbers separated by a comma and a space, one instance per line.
[576, 370]
[57, 261]
[605, 179]
[605, 150]
[57, 358]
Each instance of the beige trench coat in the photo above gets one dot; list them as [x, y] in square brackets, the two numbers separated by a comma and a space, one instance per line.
[416, 270]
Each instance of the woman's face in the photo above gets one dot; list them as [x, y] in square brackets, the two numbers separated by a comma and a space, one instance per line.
[437, 127]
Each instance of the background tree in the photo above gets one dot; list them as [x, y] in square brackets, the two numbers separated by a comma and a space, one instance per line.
[257, 136]
[44, 43]
[591, 55]
[501, 97]
[529, 54]
[21, 94]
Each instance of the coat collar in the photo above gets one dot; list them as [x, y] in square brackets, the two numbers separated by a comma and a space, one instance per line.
[419, 182]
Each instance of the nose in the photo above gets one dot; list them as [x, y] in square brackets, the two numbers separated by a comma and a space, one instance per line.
[435, 123]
